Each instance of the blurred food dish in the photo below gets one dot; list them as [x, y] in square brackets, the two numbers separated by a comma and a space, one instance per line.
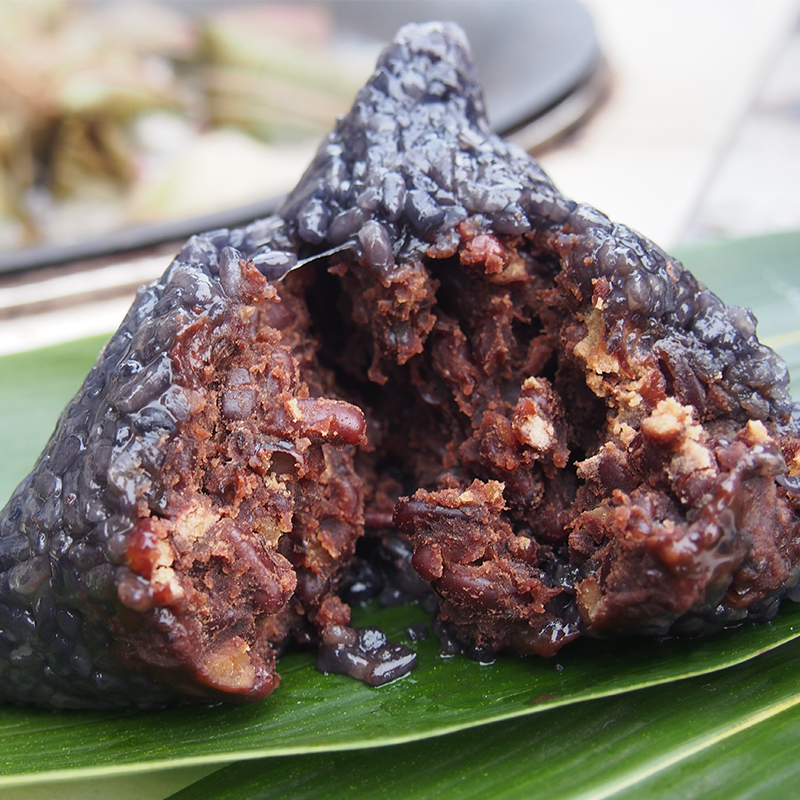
[123, 125]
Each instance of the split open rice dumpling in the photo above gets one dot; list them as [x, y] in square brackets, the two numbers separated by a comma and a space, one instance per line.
[570, 433]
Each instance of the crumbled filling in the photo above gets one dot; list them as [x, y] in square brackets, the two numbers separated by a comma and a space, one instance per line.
[262, 506]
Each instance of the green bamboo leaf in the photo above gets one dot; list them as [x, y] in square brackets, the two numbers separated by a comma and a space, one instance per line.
[312, 713]
[709, 737]
[756, 761]
[34, 388]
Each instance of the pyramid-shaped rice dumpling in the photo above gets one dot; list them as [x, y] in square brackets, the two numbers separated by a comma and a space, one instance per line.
[571, 434]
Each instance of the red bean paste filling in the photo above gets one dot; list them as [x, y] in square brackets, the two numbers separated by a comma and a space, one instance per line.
[260, 508]
[550, 482]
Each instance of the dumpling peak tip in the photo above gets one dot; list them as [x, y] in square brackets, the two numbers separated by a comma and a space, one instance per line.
[425, 36]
